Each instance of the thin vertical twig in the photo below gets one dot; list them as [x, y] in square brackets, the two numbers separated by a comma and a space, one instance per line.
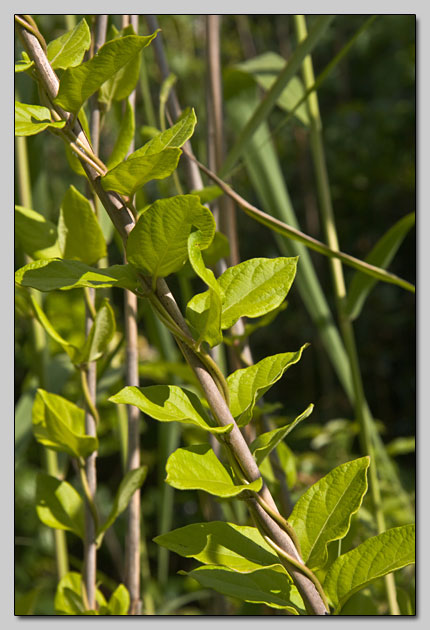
[329, 225]
[133, 413]
[90, 548]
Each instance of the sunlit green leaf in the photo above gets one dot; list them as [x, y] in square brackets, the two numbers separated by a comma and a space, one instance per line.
[247, 385]
[323, 513]
[264, 444]
[374, 558]
[124, 138]
[59, 424]
[207, 323]
[32, 119]
[48, 275]
[122, 83]
[68, 596]
[198, 468]
[36, 234]
[158, 243]
[133, 173]
[238, 547]
[101, 333]
[119, 602]
[69, 49]
[59, 505]
[78, 84]
[79, 233]
[169, 403]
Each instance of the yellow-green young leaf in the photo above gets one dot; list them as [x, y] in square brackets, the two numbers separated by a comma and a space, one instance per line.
[374, 558]
[255, 287]
[71, 350]
[68, 597]
[198, 468]
[323, 513]
[119, 602]
[23, 64]
[219, 248]
[157, 245]
[69, 49]
[265, 69]
[101, 333]
[133, 173]
[263, 586]
[238, 547]
[36, 235]
[247, 385]
[78, 84]
[48, 275]
[79, 234]
[60, 425]
[59, 505]
[32, 119]
[380, 256]
[123, 82]
[264, 444]
[206, 323]
[169, 403]
[173, 138]
[131, 482]
[125, 136]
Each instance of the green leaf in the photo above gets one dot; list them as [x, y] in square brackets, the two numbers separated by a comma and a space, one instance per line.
[125, 136]
[265, 69]
[198, 468]
[131, 482]
[36, 235]
[133, 173]
[60, 425]
[101, 333]
[68, 50]
[79, 234]
[123, 82]
[238, 547]
[158, 243]
[119, 602]
[24, 64]
[68, 597]
[247, 385]
[169, 403]
[78, 84]
[324, 512]
[71, 350]
[207, 323]
[264, 444]
[380, 256]
[264, 586]
[374, 558]
[173, 138]
[59, 505]
[32, 119]
[48, 275]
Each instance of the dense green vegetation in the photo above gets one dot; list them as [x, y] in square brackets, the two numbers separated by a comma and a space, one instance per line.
[345, 161]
